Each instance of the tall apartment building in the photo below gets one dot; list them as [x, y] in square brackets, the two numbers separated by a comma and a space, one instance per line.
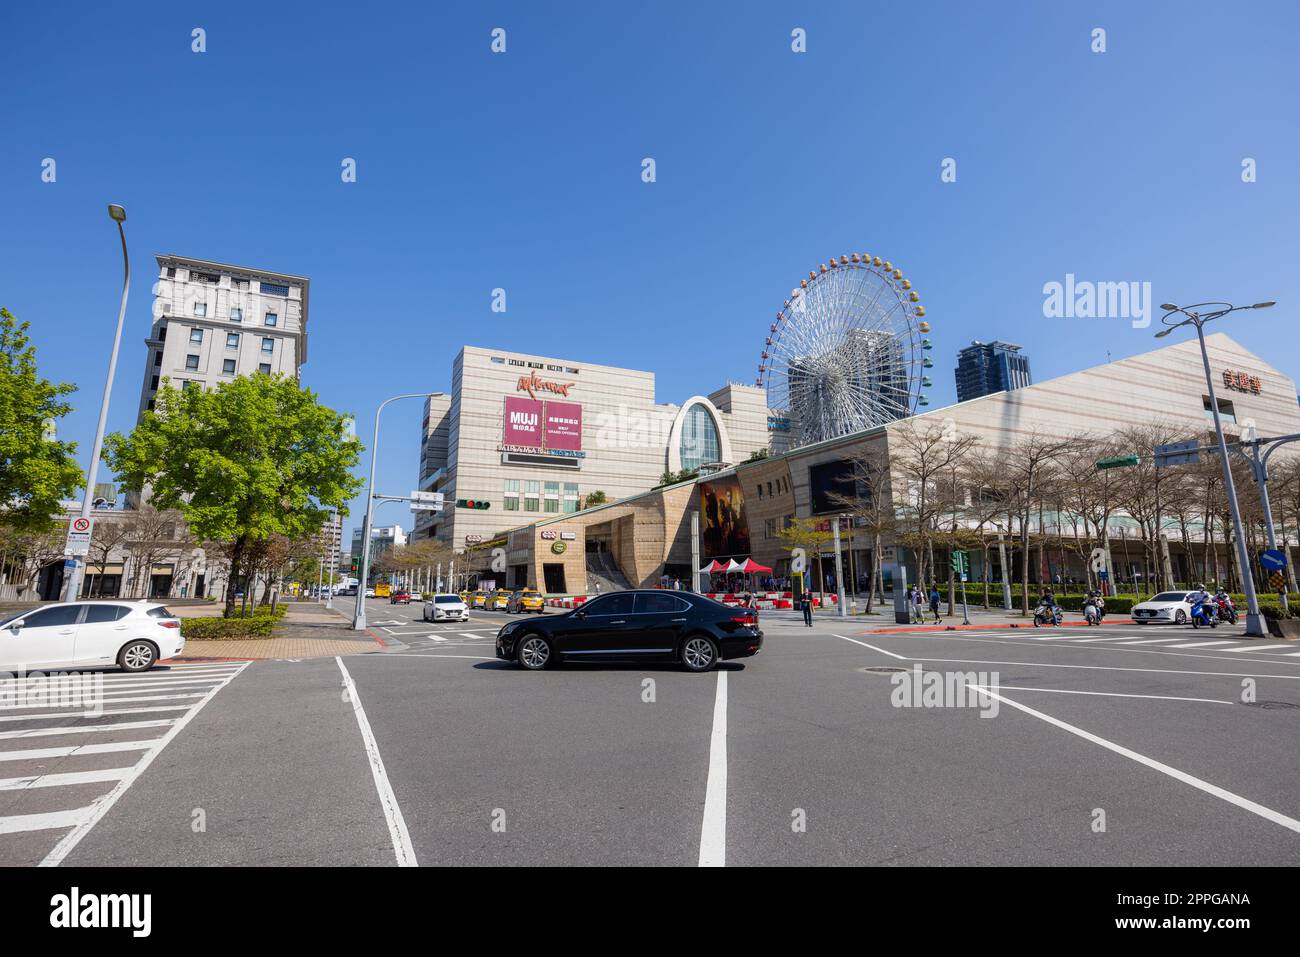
[213, 321]
[987, 367]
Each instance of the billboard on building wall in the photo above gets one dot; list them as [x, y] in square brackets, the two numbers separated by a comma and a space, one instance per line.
[724, 528]
[523, 422]
[563, 426]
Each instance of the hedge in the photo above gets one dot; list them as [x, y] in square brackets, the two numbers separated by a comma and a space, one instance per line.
[227, 629]
[1270, 605]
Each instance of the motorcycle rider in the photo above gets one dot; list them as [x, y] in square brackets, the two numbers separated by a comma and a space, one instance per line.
[1095, 600]
[1224, 603]
[1048, 601]
[1201, 599]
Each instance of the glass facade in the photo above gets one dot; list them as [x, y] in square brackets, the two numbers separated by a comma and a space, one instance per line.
[699, 444]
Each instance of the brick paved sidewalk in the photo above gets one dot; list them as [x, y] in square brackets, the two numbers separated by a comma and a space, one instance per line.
[308, 630]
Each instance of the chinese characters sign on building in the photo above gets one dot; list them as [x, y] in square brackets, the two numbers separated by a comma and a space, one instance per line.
[538, 425]
[523, 422]
[1242, 381]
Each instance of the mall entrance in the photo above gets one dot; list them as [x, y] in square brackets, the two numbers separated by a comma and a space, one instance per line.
[554, 578]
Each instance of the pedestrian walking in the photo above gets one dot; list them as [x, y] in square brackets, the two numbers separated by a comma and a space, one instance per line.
[918, 616]
[934, 602]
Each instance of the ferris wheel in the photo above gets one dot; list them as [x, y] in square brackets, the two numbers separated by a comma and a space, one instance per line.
[847, 352]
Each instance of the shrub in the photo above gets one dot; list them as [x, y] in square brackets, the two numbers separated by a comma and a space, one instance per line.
[227, 629]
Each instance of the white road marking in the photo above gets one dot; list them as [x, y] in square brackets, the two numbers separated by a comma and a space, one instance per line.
[63, 780]
[1234, 651]
[38, 715]
[102, 805]
[400, 837]
[1204, 644]
[16, 823]
[872, 647]
[476, 657]
[75, 750]
[84, 729]
[1150, 641]
[1084, 641]
[1153, 671]
[1114, 694]
[1214, 790]
[713, 830]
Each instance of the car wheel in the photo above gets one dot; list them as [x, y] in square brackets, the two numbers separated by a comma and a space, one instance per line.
[137, 656]
[1180, 617]
[699, 653]
[534, 652]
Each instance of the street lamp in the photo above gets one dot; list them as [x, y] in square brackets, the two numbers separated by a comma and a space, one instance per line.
[73, 585]
[1254, 625]
[359, 616]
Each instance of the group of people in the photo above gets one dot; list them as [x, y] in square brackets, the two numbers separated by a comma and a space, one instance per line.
[916, 601]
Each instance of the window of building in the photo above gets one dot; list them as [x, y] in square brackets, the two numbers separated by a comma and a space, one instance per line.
[1227, 412]
[191, 362]
[271, 319]
[238, 283]
[200, 309]
[759, 489]
[769, 528]
[268, 344]
[157, 359]
[498, 360]
[232, 340]
[150, 406]
[274, 289]
[188, 383]
[210, 278]
[228, 367]
[512, 495]
[153, 384]
[531, 488]
[171, 272]
[699, 443]
[236, 314]
[769, 488]
[570, 497]
[264, 368]
[196, 335]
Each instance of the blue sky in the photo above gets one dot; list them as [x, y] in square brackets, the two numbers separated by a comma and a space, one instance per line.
[522, 171]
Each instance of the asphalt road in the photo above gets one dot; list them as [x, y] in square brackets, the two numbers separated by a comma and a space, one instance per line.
[1122, 745]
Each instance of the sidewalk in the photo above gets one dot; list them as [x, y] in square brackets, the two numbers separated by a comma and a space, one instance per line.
[308, 630]
[883, 619]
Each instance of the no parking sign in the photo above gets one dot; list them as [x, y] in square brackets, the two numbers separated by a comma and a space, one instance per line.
[79, 531]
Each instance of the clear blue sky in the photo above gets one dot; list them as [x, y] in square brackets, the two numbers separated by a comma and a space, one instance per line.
[522, 171]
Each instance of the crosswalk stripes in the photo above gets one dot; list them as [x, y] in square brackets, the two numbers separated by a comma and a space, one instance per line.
[1205, 644]
[155, 705]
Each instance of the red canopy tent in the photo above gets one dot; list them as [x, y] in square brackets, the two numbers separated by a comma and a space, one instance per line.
[752, 567]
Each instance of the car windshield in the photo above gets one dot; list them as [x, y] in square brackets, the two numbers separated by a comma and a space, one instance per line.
[447, 600]
[1170, 596]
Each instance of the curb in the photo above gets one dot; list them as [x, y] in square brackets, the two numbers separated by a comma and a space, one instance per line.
[982, 627]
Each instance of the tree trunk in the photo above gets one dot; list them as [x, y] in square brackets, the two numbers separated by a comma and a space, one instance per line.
[236, 559]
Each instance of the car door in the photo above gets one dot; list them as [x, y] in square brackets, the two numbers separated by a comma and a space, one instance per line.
[604, 627]
[659, 619]
[103, 630]
[46, 639]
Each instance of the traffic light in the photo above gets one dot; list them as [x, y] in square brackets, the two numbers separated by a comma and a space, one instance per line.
[959, 562]
[472, 503]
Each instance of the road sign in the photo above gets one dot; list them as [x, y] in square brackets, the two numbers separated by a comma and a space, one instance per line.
[1272, 560]
[1178, 453]
[1118, 462]
[79, 532]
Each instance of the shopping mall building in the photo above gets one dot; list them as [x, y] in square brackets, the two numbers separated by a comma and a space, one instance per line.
[493, 436]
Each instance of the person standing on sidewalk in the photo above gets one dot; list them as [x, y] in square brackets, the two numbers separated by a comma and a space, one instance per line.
[934, 602]
[805, 605]
[918, 616]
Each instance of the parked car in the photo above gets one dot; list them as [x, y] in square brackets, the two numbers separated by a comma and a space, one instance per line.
[89, 634]
[446, 608]
[399, 598]
[526, 599]
[498, 600]
[636, 625]
[1168, 607]
[370, 593]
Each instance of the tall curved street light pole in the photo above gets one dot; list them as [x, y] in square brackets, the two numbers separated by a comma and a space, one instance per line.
[1254, 623]
[72, 586]
[359, 616]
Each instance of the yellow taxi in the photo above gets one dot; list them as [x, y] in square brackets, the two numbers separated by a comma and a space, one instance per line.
[477, 599]
[498, 600]
[526, 599]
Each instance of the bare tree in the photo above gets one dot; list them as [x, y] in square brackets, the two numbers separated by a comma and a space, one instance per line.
[871, 505]
[1029, 464]
[923, 458]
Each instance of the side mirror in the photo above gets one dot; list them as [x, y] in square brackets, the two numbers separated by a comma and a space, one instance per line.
[579, 614]
[16, 626]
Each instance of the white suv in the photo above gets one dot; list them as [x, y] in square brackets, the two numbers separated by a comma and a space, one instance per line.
[446, 608]
[89, 634]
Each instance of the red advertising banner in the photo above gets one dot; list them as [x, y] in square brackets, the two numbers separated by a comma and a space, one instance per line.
[564, 426]
[523, 422]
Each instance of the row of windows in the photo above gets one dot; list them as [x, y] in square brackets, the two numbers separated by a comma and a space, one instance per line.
[779, 487]
[769, 526]
[236, 314]
[212, 279]
[530, 495]
[192, 364]
[232, 342]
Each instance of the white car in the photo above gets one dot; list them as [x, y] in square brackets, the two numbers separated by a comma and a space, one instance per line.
[89, 634]
[446, 608]
[1169, 607]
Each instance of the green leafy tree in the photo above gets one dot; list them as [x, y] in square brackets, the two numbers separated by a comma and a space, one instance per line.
[254, 458]
[36, 470]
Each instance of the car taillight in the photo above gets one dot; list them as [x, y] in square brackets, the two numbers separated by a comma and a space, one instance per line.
[170, 624]
[744, 619]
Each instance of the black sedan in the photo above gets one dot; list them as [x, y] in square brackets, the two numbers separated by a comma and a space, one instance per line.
[635, 625]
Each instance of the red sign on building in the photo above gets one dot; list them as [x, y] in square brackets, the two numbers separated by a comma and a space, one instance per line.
[564, 426]
[523, 422]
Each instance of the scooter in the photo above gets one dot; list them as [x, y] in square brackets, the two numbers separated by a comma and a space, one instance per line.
[1091, 614]
[1226, 611]
[1047, 616]
[1203, 614]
